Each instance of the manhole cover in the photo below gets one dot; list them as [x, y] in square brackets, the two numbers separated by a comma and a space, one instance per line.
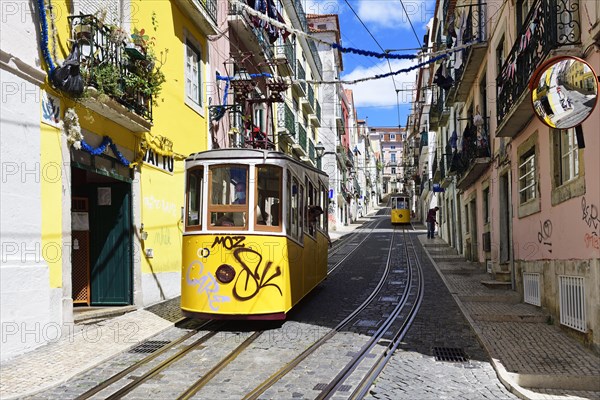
[451, 354]
[149, 347]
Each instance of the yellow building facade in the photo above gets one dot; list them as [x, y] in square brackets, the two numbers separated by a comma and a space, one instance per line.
[110, 170]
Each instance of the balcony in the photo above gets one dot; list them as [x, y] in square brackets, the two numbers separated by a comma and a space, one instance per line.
[285, 57]
[556, 25]
[300, 146]
[315, 118]
[254, 38]
[298, 86]
[475, 31]
[474, 159]
[437, 106]
[308, 102]
[118, 86]
[202, 12]
[286, 124]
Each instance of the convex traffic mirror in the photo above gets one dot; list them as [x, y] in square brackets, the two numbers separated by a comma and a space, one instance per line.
[564, 92]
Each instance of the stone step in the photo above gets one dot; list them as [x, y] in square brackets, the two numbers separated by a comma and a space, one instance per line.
[507, 298]
[497, 285]
[510, 318]
[502, 276]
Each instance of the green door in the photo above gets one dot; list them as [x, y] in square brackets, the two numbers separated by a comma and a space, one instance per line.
[110, 244]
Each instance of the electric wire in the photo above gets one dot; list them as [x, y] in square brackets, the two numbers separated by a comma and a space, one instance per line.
[388, 60]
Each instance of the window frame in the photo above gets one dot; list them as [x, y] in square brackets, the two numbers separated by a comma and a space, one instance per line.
[526, 152]
[565, 190]
[189, 172]
[190, 43]
[269, 228]
[226, 208]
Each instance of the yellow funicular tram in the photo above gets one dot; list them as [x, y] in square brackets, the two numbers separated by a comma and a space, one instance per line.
[255, 238]
[400, 208]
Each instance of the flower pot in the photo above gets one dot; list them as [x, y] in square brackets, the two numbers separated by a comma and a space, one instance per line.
[82, 32]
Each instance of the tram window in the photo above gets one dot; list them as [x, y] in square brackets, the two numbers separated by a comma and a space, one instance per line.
[294, 208]
[194, 198]
[301, 212]
[268, 196]
[228, 195]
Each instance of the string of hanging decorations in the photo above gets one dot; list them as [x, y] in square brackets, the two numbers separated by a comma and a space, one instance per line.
[44, 36]
[385, 55]
[106, 142]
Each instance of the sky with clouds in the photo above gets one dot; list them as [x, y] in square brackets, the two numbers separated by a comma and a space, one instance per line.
[388, 23]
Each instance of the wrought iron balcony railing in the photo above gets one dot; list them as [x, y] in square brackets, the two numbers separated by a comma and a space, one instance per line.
[211, 8]
[287, 50]
[550, 24]
[285, 120]
[301, 136]
[107, 67]
[260, 36]
[301, 74]
[475, 144]
[318, 110]
[311, 151]
[475, 31]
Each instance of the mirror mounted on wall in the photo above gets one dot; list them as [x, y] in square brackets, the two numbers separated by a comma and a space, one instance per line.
[564, 92]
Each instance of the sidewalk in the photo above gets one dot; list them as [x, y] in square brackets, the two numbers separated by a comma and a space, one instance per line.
[534, 359]
[342, 230]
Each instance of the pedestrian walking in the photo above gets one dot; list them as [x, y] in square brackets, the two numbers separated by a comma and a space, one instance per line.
[431, 222]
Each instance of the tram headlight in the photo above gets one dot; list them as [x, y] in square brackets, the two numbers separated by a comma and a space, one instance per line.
[225, 273]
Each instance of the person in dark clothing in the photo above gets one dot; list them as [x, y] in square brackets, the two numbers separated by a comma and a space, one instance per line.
[431, 221]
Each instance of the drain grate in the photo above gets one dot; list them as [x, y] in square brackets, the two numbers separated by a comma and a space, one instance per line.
[451, 354]
[320, 386]
[149, 347]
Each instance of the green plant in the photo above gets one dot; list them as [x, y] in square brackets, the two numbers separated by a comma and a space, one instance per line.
[145, 79]
[107, 80]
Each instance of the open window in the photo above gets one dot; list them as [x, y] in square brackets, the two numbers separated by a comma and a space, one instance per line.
[228, 197]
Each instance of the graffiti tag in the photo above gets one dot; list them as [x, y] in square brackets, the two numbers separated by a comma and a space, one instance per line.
[248, 282]
[206, 283]
[545, 233]
[592, 240]
[229, 242]
[590, 215]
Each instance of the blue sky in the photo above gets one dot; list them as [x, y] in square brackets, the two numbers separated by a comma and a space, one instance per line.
[388, 23]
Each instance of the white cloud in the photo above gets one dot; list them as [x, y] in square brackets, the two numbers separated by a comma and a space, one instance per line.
[381, 92]
[391, 14]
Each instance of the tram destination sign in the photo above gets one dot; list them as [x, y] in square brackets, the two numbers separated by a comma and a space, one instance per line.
[164, 163]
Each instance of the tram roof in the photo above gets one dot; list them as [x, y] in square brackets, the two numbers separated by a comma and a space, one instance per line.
[247, 154]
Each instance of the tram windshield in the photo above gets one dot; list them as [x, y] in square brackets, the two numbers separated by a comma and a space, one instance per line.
[228, 192]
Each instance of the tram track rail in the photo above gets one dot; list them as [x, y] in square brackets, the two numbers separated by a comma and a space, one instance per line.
[161, 366]
[291, 365]
[227, 359]
[415, 274]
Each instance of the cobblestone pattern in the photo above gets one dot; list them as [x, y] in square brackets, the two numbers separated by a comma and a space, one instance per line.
[485, 308]
[529, 354]
[413, 373]
[169, 309]
[91, 378]
[80, 351]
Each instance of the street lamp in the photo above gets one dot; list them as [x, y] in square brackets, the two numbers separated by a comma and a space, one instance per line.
[320, 150]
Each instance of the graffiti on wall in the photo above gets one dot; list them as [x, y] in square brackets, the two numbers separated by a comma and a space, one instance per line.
[590, 218]
[545, 234]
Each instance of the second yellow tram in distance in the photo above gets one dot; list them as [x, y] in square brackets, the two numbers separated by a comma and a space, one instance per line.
[400, 209]
[255, 236]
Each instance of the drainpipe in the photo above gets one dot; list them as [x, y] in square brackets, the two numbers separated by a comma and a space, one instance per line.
[511, 250]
